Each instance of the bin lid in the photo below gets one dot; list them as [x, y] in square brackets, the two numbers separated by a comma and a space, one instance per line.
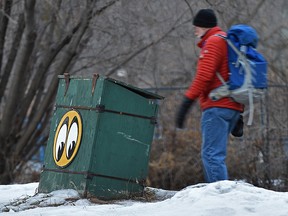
[139, 91]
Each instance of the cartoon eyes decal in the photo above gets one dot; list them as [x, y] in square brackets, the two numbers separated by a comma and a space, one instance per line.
[67, 138]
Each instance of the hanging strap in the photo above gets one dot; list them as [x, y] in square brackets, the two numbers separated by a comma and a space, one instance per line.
[250, 92]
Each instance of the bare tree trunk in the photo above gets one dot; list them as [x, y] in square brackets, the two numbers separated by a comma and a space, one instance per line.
[23, 55]
[12, 55]
[4, 19]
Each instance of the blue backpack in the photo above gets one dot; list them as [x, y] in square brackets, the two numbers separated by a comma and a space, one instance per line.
[248, 69]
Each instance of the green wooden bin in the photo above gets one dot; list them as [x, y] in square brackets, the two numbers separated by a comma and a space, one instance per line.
[100, 138]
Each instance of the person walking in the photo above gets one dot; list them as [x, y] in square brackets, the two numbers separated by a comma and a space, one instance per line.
[220, 117]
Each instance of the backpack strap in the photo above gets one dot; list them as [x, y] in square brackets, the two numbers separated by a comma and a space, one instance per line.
[221, 36]
[221, 79]
[217, 73]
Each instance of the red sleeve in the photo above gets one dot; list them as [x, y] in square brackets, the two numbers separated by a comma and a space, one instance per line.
[209, 62]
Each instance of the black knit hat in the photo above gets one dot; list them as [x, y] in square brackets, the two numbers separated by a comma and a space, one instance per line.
[205, 18]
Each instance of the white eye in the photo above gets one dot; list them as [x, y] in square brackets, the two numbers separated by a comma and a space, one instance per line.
[72, 139]
[60, 142]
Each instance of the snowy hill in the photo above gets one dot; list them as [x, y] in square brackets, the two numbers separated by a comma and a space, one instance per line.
[223, 198]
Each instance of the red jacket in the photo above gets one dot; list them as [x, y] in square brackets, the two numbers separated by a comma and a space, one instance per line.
[213, 57]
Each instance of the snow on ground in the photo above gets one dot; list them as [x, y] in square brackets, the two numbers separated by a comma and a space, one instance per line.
[225, 198]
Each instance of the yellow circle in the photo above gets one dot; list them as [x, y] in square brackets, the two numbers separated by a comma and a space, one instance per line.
[67, 138]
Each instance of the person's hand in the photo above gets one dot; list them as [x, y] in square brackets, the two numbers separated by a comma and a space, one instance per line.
[182, 111]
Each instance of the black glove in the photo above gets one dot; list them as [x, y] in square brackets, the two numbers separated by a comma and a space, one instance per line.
[238, 129]
[182, 111]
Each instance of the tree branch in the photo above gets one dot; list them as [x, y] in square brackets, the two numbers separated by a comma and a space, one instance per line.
[12, 55]
[67, 55]
[137, 52]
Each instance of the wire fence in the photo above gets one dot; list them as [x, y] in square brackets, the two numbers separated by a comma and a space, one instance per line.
[259, 157]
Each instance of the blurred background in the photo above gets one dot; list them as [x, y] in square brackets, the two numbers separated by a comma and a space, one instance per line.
[149, 44]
